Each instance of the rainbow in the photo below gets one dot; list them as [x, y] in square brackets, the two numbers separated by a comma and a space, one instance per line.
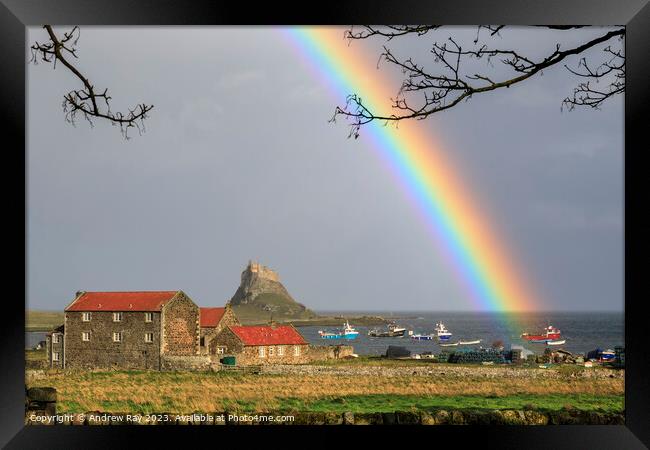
[481, 260]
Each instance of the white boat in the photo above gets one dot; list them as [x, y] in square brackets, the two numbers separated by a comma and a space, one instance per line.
[449, 345]
[348, 332]
[560, 342]
[421, 337]
[477, 341]
[442, 332]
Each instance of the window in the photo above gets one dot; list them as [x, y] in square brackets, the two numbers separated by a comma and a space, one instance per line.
[85, 317]
[271, 350]
[262, 352]
[55, 339]
[117, 317]
[280, 350]
[202, 341]
[117, 337]
[148, 337]
[221, 350]
[55, 356]
[85, 336]
[148, 317]
[296, 350]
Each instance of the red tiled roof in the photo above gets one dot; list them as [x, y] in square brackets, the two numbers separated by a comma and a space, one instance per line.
[122, 301]
[210, 317]
[267, 335]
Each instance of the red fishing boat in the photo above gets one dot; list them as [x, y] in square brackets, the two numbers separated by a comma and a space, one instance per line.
[550, 333]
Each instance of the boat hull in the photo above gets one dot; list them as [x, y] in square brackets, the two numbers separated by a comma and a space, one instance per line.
[422, 338]
[540, 337]
[348, 337]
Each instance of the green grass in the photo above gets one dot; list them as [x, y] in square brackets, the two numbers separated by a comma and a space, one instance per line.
[35, 355]
[42, 320]
[388, 403]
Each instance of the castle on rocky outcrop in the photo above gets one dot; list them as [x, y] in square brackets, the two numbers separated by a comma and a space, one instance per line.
[261, 271]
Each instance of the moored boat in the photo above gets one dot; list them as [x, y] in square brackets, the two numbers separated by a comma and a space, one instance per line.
[421, 337]
[550, 333]
[442, 332]
[450, 344]
[476, 341]
[348, 332]
[394, 330]
[557, 342]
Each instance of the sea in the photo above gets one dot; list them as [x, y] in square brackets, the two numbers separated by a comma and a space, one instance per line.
[583, 331]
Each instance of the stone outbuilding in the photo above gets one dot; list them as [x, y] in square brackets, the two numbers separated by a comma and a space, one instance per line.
[128, 330]
[264, 344]
[212, 321]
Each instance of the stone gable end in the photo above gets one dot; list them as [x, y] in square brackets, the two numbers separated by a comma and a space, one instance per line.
[180, 325]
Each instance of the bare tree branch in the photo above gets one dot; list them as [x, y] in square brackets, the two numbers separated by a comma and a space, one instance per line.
[86, 101]
[449, 87]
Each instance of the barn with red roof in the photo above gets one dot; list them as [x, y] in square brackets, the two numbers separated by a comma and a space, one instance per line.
[264, 344]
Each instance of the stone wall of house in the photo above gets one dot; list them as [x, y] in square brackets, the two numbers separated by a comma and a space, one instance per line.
[229, 340]
[53, 348]
[102, 351]
[209, 333]
[273, 354]
[180, 327]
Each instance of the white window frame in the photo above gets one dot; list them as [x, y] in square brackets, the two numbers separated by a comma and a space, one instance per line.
[84, 335]
[85, 316]
[262, 352]
[271, 351]
[55, 338]
[117, 317]
[55, 356]
[148, 317]
[146, 335]
[296, 350]
[280, 350]
[117, 334]
[221, 350]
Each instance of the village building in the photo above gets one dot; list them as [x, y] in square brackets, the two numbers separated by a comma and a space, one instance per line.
[54, 347]
[263, 344]
[212, 321]
[126, 330]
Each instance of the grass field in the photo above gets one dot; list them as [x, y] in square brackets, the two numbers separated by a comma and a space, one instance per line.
[182, 392]
[42, 320]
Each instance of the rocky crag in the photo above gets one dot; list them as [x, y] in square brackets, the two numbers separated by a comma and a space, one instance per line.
[261, 296]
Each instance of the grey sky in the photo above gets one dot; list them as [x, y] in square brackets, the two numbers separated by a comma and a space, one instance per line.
[239, 162]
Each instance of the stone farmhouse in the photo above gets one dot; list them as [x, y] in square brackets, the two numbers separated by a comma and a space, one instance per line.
[212, 321]
[134, 330]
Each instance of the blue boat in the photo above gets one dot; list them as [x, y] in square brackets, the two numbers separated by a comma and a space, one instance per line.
[348, 333]
[443, 334]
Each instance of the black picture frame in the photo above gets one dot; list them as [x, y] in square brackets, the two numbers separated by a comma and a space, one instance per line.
[16, 15]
